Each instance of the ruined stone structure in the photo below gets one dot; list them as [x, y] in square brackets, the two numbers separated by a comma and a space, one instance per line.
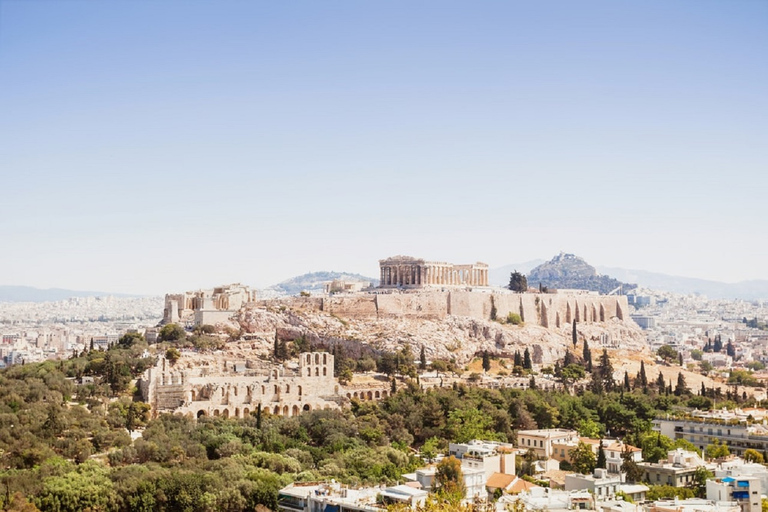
[237, 391]
[408, 272]
[206, 306]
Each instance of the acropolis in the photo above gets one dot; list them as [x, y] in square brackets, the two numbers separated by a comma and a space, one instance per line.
[409, 272]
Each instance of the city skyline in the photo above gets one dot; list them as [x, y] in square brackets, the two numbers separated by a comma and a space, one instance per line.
[165, 146]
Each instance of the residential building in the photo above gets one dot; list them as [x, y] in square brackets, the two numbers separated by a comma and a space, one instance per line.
[701, 430]
[678, 470]
[600, 483]
[490, 456]
[746, 491]
[322, 497]
[692, 505]
[541, 440]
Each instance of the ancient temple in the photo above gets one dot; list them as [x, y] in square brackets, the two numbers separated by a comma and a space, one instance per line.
[408, 272]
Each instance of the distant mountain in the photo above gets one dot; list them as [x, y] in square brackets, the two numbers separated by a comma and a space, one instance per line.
[746, 290]
[312, 283]
[500, 276]
[570, 271]
[30, 294]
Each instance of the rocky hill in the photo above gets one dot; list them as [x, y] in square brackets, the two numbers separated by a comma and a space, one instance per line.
[312, 282]
[567, 271]
[452, 337]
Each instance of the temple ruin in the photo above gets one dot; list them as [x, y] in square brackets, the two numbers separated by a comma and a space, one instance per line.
[211, 306]
[409, 272]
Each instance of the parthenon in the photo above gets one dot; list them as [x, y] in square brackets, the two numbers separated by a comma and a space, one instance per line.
[405, 271]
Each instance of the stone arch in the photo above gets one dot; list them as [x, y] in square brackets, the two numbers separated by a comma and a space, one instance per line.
[201, 413]
[275, 374]
[237, 412]
[349, 395]
[225, 413]
[285, 410]
[309, 358]
[306, 408]
[355, 394]
[370, 395]
[295, 410]
[309, 372]
[317, 358]
[377, 395]
[317, 372]
[277, 389]
[246, 412]
[325, 358]
[602, 312]
[223, 392]
[216, 413]
[384, 394]
[277, 410]
[325, 372]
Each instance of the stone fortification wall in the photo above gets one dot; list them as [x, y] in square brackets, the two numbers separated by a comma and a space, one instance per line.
[547, 310]
[430, 304]
[351, 306]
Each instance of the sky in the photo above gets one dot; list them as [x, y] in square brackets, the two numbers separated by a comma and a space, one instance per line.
[160, 146]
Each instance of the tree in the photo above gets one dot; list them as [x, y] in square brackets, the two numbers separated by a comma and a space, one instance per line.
[574, 334]
[752, 455]
[486, 361]
[582, 458]
[171, 332]
[661, 384]
[276, 348]
[570, 374]
[518, 282]
[604, 373]
[667, 353]
[629, 467]
[172, 354]
[716, 449]
[730, 349]
[518, 359]
[422, 359]
[429, 449]
[128, 339]
[527, 364]
[681, 388]
[601, 462]
[627, 385]
[642, 379]
[718, 345]
[586, 353]
[699, 483]
[450, 480]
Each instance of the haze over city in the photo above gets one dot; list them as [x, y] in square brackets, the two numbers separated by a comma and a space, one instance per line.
[157, 146]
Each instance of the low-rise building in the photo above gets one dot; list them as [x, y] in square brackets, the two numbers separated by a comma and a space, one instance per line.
[541, 441]
[323, 497]
[746, 491]
[600, 483]
[692, 505]
[678, 470]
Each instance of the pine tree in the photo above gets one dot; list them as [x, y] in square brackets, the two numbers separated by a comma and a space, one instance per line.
[527, 364]
[486, 361]
[518, 282]
[422, 359]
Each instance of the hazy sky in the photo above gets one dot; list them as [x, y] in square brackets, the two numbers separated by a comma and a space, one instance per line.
[153, 146]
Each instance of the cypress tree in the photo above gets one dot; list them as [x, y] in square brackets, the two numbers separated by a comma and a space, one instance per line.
[518, 359]
[681, 388]
[527, 364]
[258, 417]
[587, 355]
[422, 359]
[486, 361]
[276, 350]
[661, 384]
[627, 387]
[574, 335]
[600, 456]
[642, 377]
[568, 359]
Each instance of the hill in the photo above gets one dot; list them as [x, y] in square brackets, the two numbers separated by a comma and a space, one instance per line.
[312, 282]
[746, 290]
[31, 294]
[571, 272]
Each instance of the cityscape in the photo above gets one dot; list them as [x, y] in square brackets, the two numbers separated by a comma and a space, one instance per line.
[402, 256]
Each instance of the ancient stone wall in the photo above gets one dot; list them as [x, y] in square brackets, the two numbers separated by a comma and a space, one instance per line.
[433, 304]
[352, 306]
